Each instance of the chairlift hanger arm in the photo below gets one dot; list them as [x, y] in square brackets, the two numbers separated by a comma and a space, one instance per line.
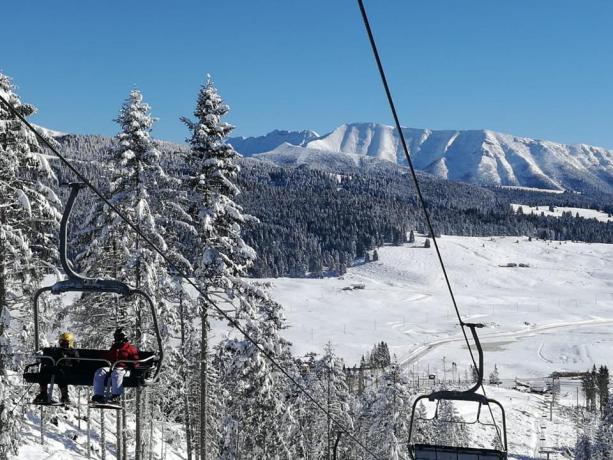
[77, 283]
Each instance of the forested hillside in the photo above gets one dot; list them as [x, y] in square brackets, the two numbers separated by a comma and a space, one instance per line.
[313, 222]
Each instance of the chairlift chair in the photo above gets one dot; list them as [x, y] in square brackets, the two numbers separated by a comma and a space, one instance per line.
[421, 451]
[143, 371]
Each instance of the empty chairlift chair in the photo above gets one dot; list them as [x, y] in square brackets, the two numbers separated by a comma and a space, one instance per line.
[419, 451]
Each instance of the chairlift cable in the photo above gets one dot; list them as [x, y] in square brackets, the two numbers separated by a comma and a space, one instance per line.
[422, 201]
[184, 275]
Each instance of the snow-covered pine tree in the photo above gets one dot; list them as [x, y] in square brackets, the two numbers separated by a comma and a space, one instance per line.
[222, 255]
[304, 435]
[602, 442]
[327, 383]
[448, 426]
[29, 218]
[422, 432]
[258, 422]
[583, 448]
[602, 383]
[114, 250]
[389, 414]
[494, 376]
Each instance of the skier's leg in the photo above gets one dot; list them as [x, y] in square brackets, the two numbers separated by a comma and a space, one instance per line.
[99, 379]
[117, 381]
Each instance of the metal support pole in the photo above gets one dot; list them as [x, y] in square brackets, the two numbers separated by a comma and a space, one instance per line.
[118, 435]
[124, 434]
[551, 409]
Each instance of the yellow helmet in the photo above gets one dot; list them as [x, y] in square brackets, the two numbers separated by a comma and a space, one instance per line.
[67, 337]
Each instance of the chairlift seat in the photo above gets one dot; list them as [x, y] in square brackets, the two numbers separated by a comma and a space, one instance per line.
[82, 373]
[435, 452]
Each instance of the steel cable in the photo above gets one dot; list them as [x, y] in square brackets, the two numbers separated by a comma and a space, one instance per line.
[422, 201]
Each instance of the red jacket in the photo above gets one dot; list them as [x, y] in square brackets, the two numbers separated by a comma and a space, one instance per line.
[120, 352]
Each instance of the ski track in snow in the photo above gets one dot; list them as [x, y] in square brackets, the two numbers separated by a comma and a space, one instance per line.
[540, 353]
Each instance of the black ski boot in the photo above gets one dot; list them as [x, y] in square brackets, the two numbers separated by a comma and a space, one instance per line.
[43, 398]
[98, 399]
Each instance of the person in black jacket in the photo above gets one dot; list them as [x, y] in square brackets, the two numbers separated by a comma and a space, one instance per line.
[65, 350]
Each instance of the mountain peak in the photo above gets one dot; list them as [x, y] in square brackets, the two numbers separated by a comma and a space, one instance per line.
[482, 157]
[248, 146]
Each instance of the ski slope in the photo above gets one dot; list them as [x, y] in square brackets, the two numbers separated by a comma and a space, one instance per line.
[553, 314]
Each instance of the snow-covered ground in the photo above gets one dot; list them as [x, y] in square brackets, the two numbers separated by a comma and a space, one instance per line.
[558, 210]
[65, 435]
[553, 314]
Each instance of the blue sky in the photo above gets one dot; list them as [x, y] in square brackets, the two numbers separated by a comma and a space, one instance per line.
[541, 68]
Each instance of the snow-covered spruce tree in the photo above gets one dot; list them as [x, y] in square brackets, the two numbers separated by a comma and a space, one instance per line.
[494, 376]
[222, 255]
[602, 442]
[258, 422]
[113, 248]
[328, 385]
[583, 448]
[422, 432]
[29, 218]
[305, 433]
[388, 415]
[448, 427]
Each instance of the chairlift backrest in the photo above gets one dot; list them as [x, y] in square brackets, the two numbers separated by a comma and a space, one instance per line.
[429, 452]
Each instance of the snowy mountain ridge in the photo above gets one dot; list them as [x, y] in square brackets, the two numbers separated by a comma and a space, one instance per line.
[480, 157]
[252, 145]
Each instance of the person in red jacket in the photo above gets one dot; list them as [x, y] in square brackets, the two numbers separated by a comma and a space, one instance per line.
[121, 350]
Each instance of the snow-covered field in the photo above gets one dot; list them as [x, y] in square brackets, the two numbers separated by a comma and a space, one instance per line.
[554, 314]
[558, 210]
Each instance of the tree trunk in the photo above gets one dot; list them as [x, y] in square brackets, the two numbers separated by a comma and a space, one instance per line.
[4, 428]
[138, 449]
[186, 408]
[137, 413]
[329, 421]
[102, 436]
[203, 379]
